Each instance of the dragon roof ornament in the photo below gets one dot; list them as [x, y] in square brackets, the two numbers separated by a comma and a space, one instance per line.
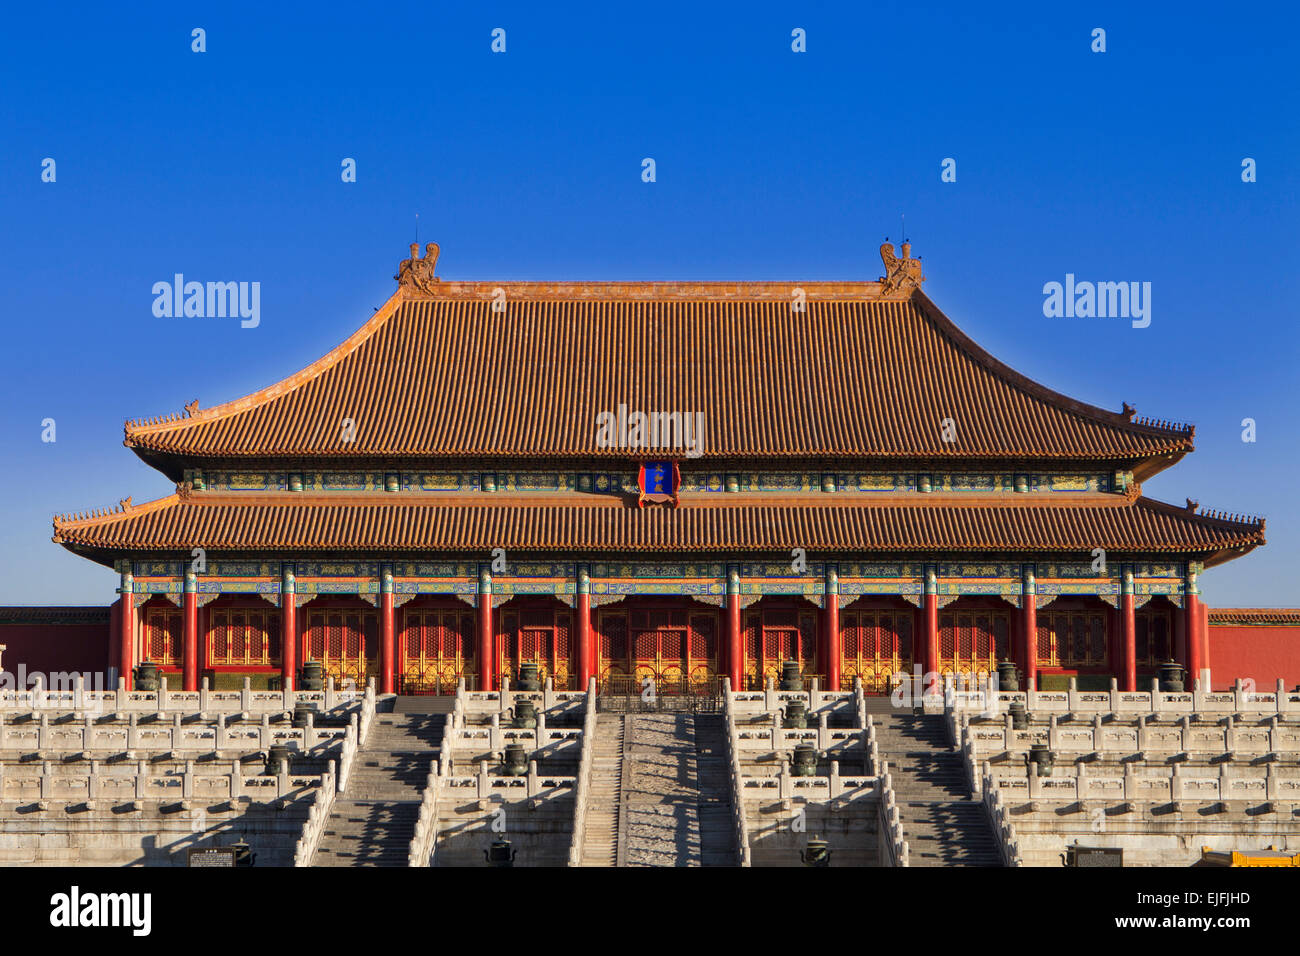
[902, 274]
[416, 273]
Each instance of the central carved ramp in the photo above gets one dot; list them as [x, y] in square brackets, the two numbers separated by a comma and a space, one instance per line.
[676, 805]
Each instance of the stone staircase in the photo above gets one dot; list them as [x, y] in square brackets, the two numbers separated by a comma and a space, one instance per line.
[373, 821]
[943, 823]
[600, 836]
[717, 830]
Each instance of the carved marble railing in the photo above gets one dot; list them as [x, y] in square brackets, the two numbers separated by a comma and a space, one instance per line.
[786, 786]
[1273, 739]
[1000, 819]
[319, 812]
[79, 699]
[425, 839]
[581, 794]
[84, 735]
[549, 700]
[420, 853]
[771, 700]
[493, 738]
[775, 739]
[313, 827]
[740, 824]
[1172, 785]
[1243, 700]
[872, 745]
[485, 786]
[42, 782]
[348, 752]
[893, 842]
[969, 759]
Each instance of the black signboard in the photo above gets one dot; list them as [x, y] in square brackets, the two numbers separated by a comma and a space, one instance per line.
[1094, 856]
[211, 856]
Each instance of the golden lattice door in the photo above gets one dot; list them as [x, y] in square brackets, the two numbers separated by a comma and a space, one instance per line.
[436, 651]
[774, 637]
[876, 646]
[972, 642]
[541, 638]
[346, 642]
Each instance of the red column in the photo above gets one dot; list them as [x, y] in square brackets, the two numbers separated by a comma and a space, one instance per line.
[1129, 678]
[1029, 624]
[486, 664]
[288, 631]
[586, 647]
[932, 635]
[190, 654]
[126, 627]
[1205, 639]
[1030, 650]
[386, 638]
[832, 637]
[1192, 630]
[735, 639]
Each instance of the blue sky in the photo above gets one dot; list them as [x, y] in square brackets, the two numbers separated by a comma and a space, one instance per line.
[1123, 165]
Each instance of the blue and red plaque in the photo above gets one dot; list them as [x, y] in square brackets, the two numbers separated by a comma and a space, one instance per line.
[658, 482]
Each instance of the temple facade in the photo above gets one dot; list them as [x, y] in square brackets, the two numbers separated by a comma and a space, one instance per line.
[657, 479]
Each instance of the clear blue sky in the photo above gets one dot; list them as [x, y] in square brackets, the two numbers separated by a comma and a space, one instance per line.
[770, 165]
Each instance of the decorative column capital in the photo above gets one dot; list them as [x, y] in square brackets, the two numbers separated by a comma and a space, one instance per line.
[1126, 582]
[733, 581]
[126, 581]
[832, 578]
[584, 580]
[386, 579]
[931, 585]
[289, 583]
[191, 583]
[484, 579]
[1190, 585]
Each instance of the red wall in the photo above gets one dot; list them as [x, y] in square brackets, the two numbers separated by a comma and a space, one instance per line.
[1262, 651]
[53, 639]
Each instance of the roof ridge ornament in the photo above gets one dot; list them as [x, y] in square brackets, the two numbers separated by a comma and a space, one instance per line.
[416, 273]
[192, 409]
[901, 274]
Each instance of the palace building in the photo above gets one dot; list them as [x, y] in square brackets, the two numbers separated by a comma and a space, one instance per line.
[680, 480]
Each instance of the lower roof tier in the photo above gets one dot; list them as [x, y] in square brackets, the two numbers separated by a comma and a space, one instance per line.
[573, 523]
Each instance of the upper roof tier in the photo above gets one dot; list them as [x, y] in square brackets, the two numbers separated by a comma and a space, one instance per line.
[867, 370]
